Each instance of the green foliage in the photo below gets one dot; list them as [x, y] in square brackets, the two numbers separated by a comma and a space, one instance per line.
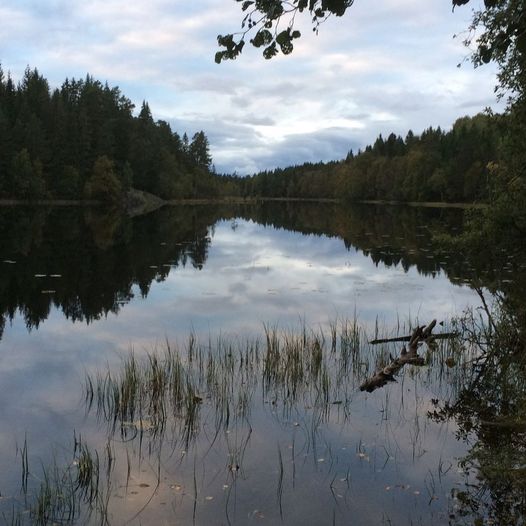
[503, 37]
[66, 131]
[25, 177]
[498, 30]
[103, 184]
[435, 166]
[67, 185]
[199, 150]
[489, 412]
[272, 22]
[172, 183]
[499, 33]
[126, 176]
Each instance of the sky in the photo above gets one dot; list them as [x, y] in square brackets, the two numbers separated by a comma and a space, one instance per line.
[386, 66]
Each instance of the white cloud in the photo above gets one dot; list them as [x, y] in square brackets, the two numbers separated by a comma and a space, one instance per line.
[386, 66]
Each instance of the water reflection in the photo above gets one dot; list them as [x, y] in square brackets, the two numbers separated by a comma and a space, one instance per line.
[105, 283]
[216, 433]
[489, 411]
[89, 264]
[86, 263]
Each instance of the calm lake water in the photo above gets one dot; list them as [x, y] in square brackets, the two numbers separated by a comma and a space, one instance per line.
[80, 290]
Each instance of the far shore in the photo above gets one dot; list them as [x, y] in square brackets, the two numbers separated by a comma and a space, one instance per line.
[240, 200]
[429, 204]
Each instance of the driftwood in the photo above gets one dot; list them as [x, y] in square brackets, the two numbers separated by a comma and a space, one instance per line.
[407, 356]
[439, 336]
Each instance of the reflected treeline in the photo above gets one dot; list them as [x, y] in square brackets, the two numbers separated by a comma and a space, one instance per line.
[489, 413]
[390, 235]
[87, 261]
[402, 235]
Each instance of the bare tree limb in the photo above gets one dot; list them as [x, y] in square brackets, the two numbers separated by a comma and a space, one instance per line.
[410, 356]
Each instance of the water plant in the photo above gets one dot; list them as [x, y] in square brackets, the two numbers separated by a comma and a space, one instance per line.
[178, 405]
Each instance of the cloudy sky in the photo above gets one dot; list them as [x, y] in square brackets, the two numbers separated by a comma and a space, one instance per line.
[388, 65]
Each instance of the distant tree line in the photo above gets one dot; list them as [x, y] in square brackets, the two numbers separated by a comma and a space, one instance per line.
[89, 263]
[82, 140]
[434, 166]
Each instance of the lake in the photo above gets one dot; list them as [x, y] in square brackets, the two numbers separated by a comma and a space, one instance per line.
[202, 364]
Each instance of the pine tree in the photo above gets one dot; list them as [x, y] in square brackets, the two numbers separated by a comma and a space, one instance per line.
[199, 150]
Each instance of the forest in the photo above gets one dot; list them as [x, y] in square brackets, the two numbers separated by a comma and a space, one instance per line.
[83, 141]
[437, 165]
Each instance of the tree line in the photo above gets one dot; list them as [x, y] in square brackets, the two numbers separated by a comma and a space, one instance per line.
[89, 263]
[83, 141]
[453, 166]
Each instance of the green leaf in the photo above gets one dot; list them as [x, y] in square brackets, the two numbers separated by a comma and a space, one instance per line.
[270, 51]
[336, 7]
[262, 38]
[521, 43]
[485, 54]
[283, 37]
[246, 5]
[226, 41]
[287, 47]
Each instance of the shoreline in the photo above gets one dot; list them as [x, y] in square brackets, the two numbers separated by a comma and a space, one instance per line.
[241, 200]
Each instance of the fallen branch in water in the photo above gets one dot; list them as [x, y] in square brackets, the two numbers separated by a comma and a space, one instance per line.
[439, 336]
[407, 356]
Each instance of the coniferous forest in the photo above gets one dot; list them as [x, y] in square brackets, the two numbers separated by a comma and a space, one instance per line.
[84, 141]
[452, 166]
